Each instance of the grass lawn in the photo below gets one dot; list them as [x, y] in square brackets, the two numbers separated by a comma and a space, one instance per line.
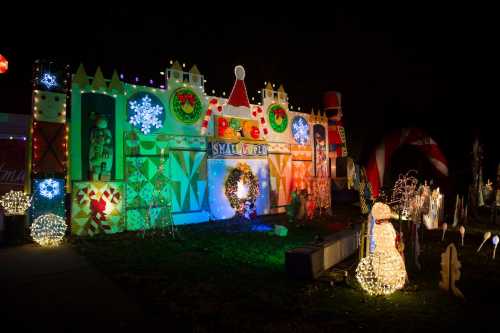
[222, 277]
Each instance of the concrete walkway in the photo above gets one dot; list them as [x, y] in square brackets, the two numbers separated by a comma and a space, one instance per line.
[42, 288]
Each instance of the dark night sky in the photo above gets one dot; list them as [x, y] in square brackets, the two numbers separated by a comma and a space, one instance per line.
[417, 66]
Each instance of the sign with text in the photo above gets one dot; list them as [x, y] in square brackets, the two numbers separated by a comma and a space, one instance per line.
[12, 164]
[222, 149]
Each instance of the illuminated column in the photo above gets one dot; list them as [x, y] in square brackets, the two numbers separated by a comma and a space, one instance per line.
[49, 135]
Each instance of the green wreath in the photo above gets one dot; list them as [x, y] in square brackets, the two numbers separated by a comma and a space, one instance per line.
[243, 173]
[278, 118]
[186, 105]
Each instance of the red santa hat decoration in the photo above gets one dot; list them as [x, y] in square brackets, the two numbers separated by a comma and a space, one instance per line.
[238, 104]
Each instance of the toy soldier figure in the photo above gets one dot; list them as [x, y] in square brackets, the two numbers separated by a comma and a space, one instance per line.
[101, 150]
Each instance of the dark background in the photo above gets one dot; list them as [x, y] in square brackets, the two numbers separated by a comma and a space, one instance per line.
[421, 66]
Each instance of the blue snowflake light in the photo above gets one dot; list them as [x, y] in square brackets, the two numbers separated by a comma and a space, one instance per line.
[49, 188]
[144, 114]
[300, 130]
[49, 80]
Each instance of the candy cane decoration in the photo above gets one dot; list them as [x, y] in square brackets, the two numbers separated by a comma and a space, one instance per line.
[462, 233]
[211, 104]
[486, 236]
[258, 113]
[495, 242]
[445, 226]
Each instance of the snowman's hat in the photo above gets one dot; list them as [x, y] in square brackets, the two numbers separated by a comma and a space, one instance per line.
[238, 104]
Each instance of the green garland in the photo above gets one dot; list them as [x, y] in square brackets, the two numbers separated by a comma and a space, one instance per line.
[178, 108]
[242, 171]
[280, 128]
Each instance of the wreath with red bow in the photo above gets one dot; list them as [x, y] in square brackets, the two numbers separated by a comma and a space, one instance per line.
[278, 118]
[241, 173]
[186, 105]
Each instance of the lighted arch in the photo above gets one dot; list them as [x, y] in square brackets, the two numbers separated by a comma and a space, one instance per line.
[380, 157]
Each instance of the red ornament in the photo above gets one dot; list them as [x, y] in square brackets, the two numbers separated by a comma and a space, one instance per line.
[223, 124]
[209, 112]
[219, 108]
[213, 101]
[265, 131]
[254, 114]
[259, 110]
[4, 64]
[255, 133]
[262, 120]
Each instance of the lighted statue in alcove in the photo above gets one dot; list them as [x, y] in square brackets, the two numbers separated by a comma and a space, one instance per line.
[100, 150]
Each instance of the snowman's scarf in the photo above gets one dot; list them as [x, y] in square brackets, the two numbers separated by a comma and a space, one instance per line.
[371, 222]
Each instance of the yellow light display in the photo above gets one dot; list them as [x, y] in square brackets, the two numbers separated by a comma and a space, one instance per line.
[15, 202]
[48, 230]
[383, 271]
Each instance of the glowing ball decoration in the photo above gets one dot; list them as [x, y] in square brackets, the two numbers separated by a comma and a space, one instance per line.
[48, 230]
[300, 130]
[4, 64]
[15, 202]
[49, 188]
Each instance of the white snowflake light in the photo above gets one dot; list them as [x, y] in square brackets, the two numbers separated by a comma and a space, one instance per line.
[49, 80]
[48, 230]
[300, 130]
[49, 188]
[146, 115]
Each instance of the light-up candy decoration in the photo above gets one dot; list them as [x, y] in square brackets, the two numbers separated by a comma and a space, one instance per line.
[4, 64]
[445, 226]
[462, 233]
[15, 202]
[211, 104]
[495, 242]
[144, 114]
[486, 236]
[250, 129]
[48, 230]
[49, 80]
[258, 113]
[49, 188]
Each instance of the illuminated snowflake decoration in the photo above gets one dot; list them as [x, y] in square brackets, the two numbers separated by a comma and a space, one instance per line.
[49, 188]
[300, 130]
[49, 80]
[145, 115]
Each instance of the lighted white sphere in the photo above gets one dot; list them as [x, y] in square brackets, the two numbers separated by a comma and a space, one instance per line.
[48, 230]
[15, 202]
